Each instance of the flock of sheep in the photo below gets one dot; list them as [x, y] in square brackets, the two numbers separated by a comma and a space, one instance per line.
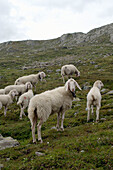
[58, 100]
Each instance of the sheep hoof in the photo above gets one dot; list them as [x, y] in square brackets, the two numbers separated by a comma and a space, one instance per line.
[20, 118]
[97, 121]
[62, 129]
[35, 142]
[40, 140]
[58, 129]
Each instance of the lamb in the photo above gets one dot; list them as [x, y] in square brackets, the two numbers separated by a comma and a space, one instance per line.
[24, 100]
[7, 99]
[20, 88]
[94, 98]
[33, 78]
[69, 70]
[57, 101]
[2, 91]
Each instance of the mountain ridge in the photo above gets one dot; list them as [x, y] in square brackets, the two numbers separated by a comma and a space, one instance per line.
[103, 34]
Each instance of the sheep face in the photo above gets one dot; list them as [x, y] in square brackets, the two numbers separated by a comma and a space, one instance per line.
[98, 84]
[77, 73]
[14, 93]
[28, 86]
[70, 85]
[41, 75]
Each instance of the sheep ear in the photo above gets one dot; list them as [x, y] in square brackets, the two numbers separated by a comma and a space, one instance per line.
[78, 85]
[67, 85]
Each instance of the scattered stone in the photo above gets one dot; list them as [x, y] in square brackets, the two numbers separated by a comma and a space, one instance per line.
[82, 151]
[86, 86]
[75, 113]
[54, 127]
[110, 92]
[76, 99]
[58, 70]
[103, 119]
[1, 166]
[104, 91]
[7, 142]
[39, 154]
[7, 159]
[49, 71]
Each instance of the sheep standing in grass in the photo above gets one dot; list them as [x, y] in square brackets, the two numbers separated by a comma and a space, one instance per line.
[33, 78]
[7, 99]
[94, 98]
[24, 100]
[58, 100]
[68, 70]
[20, 88]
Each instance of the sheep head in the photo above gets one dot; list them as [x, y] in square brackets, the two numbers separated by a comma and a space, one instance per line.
[13, 93]
[98, 84]
[28, 86]
[70, 85]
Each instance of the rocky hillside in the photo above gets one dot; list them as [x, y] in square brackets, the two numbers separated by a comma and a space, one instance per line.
[99, 35]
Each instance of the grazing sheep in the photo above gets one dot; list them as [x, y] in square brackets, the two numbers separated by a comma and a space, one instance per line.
[33, 78]
[57, 101]
[2, 91]
[24, 100]
[69, 70]
[94, 98]
[20, 88]
[7, 99]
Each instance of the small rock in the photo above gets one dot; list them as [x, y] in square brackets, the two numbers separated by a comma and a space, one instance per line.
[54, 127]
[1, 166]
[7, 159]
[76, 99]
[58, 70]
[82, 151]
[103, 119]
[75, 113]
[110, 92]
[39, 154]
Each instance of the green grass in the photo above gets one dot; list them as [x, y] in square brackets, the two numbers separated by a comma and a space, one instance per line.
[82, 145]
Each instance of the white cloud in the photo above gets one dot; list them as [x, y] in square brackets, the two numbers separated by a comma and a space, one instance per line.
[46, 19]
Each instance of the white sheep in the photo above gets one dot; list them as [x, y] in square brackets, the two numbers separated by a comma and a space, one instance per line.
[33, 78]
[24, 100]
[20, 88]
[94, 99]
[57, 101]
[7, 99]
[68, 70]
[2, 91]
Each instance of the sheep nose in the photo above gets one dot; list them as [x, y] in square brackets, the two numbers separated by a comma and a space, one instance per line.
[73, 90]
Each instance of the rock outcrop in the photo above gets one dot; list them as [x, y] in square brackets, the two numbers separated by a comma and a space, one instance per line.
[7, 142]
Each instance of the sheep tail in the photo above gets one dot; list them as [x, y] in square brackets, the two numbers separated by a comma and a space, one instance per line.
[32, 113]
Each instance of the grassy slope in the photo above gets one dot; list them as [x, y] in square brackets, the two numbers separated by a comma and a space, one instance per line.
[82, 145]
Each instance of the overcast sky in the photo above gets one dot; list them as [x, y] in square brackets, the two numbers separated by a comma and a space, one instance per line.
[47, 19]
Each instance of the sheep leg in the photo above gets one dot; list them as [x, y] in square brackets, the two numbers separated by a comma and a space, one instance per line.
[22, 112]
[33, 124]
[88, 108]
[5, 110]
[0, 105]
[63, 79]
[92, 109]
[58, 119]
[39, 130]
[62, 121]
[97, 113]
